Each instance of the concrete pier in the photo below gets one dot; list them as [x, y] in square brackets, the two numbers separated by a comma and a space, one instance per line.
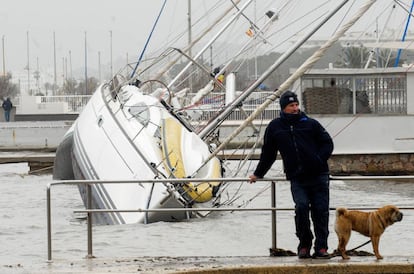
[33, 135]
[231, 264]
[38, 161]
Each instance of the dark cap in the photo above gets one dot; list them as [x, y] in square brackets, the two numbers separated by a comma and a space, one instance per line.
[287, 98]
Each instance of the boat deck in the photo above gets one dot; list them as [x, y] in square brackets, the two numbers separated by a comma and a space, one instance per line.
[243, 264]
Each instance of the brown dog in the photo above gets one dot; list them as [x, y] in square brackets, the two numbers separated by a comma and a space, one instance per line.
[370, 224]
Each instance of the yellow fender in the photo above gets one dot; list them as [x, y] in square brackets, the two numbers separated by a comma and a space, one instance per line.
[171, 147]
[203, 192]
[171, 131]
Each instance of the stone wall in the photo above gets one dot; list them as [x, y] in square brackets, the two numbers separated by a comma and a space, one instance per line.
[372, 164]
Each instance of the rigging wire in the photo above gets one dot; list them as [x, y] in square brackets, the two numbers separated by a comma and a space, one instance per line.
[272, 49]
[358, 115]
[397, 60]
[403, 6]
[237, 64]
[389, 51]
[373, 24]
[247, 18]
[300, 71]
[227, 60]
[181, 34]
[148, 39]
[295, 21]
[260, 192]
[343, 17]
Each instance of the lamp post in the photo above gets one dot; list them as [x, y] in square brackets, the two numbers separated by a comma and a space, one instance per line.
[86, 66]
[99, 66]
[54, 65]
[28, 64]
[70, 64]
[36, 75]
[110, 51]
[4, 59]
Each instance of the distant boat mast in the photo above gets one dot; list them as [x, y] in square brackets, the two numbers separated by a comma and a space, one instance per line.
[189, 26]
[397, 60]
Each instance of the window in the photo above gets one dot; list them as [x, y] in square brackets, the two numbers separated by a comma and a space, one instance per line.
[140, 111]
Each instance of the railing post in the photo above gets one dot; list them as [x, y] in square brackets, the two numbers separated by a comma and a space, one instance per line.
[274, 228]
[49, 225]
[89, 220]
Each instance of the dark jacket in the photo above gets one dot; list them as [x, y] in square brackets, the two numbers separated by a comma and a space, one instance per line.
[305, 146]
[7, 105]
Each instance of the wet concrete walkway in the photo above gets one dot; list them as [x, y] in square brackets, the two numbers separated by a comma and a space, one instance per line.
[223, 265]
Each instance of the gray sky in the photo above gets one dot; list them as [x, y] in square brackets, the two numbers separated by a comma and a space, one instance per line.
[130, 22]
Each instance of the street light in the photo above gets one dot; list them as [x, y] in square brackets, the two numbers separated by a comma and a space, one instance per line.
[86, 66]
[4, 62]
[28, 64]
[110, 51]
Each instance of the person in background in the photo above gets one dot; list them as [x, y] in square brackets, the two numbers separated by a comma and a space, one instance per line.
[305, 147]
[7, 106]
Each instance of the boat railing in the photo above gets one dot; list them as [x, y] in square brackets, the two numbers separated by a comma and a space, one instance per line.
[273, 208]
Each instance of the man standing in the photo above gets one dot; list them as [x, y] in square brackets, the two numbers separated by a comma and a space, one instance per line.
[7, 106]
[305, 147]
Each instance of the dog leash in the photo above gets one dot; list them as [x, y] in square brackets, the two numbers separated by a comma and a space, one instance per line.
[355, 248]
[350, 251]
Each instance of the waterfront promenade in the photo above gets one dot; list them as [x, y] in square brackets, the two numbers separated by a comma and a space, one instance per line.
[233, 265]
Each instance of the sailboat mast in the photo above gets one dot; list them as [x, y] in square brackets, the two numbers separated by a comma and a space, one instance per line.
[188, 48]
[190, 79]
[207, 46]
[189, 26]
[272, 19]
[299, 72]
[285, 85]
[222, 116]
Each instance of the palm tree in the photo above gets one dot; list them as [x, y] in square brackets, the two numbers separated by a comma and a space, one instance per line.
[353, 57]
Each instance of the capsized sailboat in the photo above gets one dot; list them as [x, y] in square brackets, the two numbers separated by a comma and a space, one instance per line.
[128, 131]
[135, 136]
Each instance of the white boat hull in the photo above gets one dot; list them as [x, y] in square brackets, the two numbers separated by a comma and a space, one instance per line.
[114, 140]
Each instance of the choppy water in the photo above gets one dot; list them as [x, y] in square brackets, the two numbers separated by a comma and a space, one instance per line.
[23, 223]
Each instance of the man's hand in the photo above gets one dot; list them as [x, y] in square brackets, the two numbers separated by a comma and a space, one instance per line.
[252, 179]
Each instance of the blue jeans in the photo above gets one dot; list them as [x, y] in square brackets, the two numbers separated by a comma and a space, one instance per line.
[311, 195]
[7, 115]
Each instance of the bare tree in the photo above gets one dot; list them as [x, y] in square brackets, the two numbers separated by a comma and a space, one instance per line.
[7, 88]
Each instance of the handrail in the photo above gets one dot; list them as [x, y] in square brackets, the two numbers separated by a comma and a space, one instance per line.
[273, 207]
[192, 180]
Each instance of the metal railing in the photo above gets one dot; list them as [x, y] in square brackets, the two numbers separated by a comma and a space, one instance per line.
[89, 211]
[75, 103]
[357, 92]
